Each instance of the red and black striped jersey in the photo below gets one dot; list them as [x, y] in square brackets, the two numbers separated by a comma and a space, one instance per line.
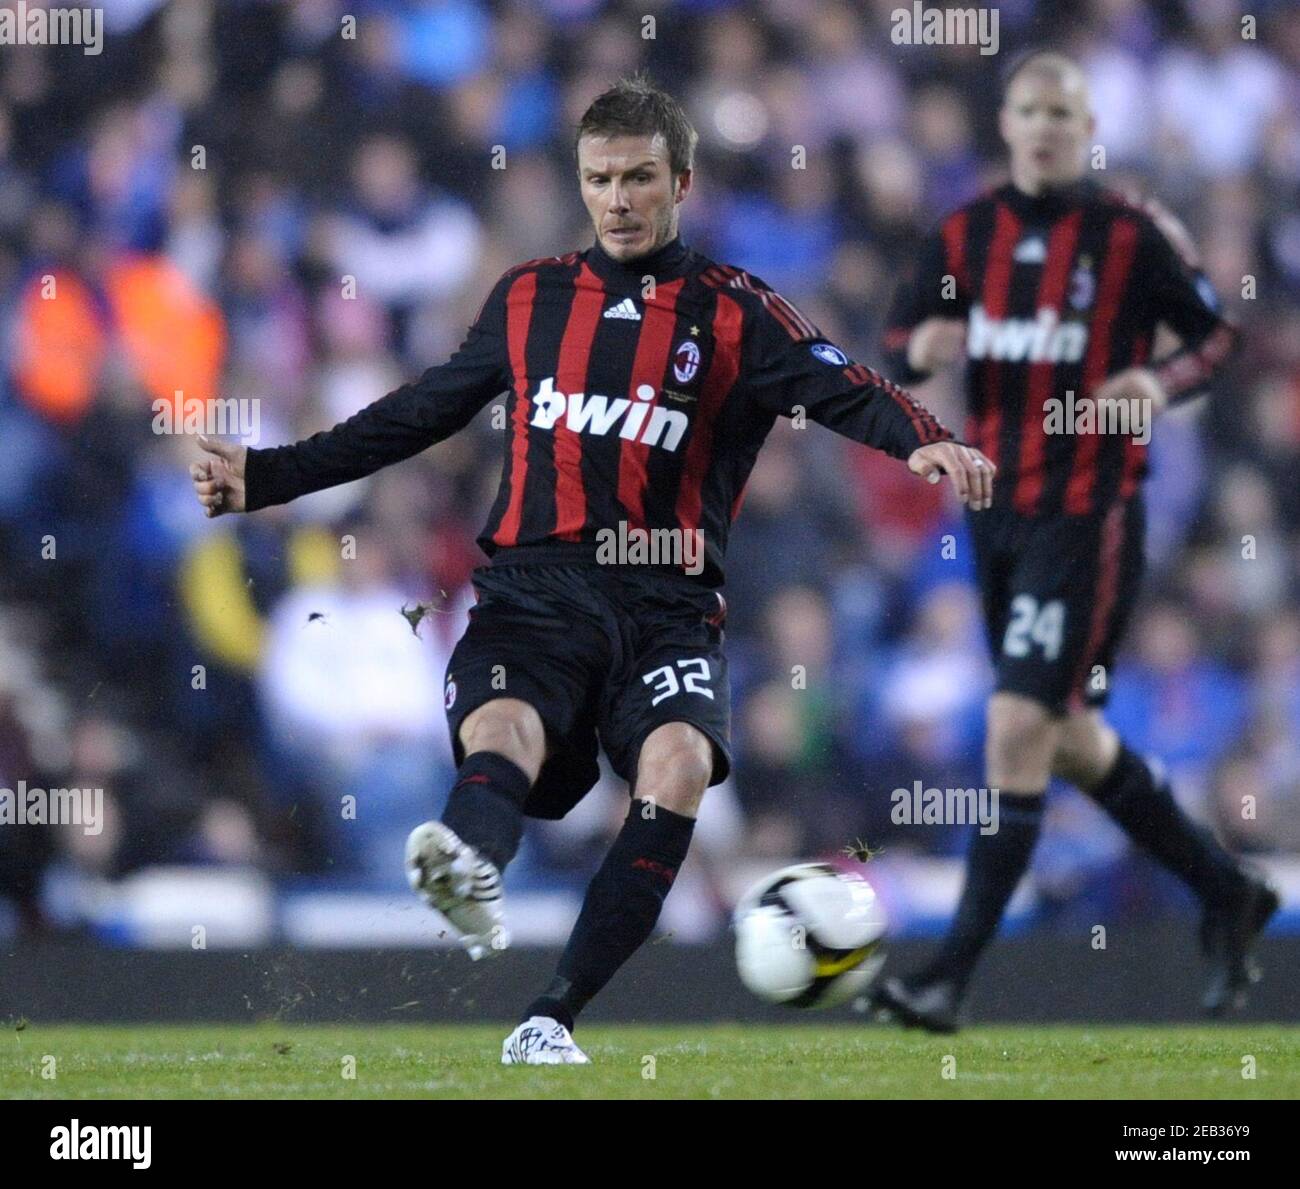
[638, 396]
[1059, 291]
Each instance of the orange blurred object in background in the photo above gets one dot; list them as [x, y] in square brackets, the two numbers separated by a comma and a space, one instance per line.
[61, 346]
[170, 334]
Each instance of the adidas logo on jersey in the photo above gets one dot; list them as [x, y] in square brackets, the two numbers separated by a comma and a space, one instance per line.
[643, 421]
[625, 309]
[1044, 339]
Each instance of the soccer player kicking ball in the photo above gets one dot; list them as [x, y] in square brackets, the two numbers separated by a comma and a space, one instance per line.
[1051, 289]
[642, 380]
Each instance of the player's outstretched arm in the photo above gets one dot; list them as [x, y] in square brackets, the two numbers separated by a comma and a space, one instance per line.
[394, 428]
[219, 478]
[969, 470]
[397, 426]
[793, 368]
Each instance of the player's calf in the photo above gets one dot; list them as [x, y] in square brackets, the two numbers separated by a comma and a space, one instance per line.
[456, 864]
[1021, 743]
[626, 895]
[1235, 906]
[505, 746]
[485, 807]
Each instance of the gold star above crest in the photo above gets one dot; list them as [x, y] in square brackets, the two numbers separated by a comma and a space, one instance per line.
[695, 330]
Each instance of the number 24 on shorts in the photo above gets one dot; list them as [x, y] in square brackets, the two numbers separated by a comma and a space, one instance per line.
[1029, 626]
[664, 679]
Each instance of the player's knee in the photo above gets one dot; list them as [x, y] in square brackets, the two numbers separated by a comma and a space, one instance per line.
[1085, 749]
[1017, 726]
[509, 727]
[674, 768]
[1069, 760]
[1016, 718]
[1067, 765]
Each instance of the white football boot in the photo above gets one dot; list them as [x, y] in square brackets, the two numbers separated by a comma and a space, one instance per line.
[540, 1040]
[465, 888]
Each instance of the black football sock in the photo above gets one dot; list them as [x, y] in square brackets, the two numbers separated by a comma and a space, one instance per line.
[486, 805]
[621, 907]
[559, 1003]
[1144, 806]
[994, 866]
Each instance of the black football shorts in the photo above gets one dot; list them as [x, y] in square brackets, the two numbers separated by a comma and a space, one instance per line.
[602, 653]
[1057, 593]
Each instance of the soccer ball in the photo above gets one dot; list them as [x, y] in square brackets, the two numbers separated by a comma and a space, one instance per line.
[809, 936]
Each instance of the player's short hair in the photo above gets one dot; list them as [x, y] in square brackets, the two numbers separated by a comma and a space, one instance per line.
[636, 107]
[1041, 60]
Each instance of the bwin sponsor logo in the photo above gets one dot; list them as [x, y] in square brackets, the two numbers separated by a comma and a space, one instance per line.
[594, 414]
[1044, 339]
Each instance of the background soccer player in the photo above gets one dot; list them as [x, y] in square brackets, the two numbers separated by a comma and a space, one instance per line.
[643, 379]
[1052, 285]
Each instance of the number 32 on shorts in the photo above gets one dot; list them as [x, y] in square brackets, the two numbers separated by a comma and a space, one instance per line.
[664, 679]
[1032, 625]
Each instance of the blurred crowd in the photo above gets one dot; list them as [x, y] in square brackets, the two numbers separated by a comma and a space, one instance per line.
[303, 203]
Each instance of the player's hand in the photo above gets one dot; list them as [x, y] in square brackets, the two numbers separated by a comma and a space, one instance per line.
[935, 343]
[219, 479]
[971, 473]
[1141, 389]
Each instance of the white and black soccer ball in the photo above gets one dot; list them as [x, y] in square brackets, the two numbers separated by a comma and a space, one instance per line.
[809, 936]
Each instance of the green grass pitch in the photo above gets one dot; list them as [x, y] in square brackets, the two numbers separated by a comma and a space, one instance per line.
[808, 1060]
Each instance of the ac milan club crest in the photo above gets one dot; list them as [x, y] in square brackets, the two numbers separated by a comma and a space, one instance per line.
[686, 360]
